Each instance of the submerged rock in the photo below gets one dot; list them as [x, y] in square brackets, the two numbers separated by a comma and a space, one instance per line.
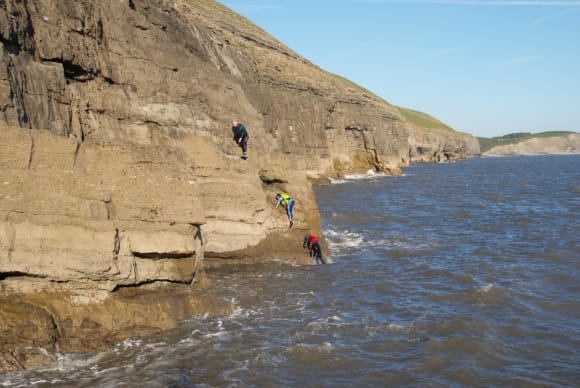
[36, 327]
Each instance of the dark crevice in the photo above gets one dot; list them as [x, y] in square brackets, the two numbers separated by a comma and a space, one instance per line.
[73, 71]
[272, 181]
[141, 27]
[11, 47]
[164, 255]
[57, 330]
[78, 147]
[16, 274]
[132, 5]
[76, 72]
[267, 178]
[16, 92]
[15, 359]
[31, 151]
[152, 122]
[100, 31]
[146, 282]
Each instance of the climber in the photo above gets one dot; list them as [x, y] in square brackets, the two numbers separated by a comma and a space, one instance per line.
[285, 200]
[241, 137]
[311, 242]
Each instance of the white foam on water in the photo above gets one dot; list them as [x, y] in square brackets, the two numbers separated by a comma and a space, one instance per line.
[367, 175]
[486, 289]
[402, 243]
[218, 335]
[35, 382]
[344, 239]
[239, 313]
[284, 262]
[370, 174]
[396, 328]
[325, 347]
[390, 243]
[131, 343]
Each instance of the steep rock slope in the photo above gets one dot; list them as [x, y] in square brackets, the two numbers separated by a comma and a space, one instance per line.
[118, 171]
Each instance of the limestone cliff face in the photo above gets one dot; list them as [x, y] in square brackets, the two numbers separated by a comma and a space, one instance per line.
[429, 145]
[568, 144]
[118, 169]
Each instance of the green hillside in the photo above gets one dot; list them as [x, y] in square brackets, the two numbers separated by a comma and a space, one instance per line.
[422, 119]
[418, 118]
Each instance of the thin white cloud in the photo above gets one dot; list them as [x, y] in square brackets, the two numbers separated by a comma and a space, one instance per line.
[543, 3]
[437, 53]
[558, 15]
[253, 7]
[521, 61]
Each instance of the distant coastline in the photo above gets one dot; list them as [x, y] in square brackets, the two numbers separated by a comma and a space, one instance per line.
[543, 143]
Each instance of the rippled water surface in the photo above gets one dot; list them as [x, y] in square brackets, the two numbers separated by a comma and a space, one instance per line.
[464, 274]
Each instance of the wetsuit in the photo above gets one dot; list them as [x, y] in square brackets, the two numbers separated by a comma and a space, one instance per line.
[311, 242]
[288, 202]
[241, 138]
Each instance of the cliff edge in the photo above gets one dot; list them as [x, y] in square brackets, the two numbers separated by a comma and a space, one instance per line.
[119, 178]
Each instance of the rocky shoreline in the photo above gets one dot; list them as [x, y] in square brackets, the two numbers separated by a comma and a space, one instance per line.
[119, 179]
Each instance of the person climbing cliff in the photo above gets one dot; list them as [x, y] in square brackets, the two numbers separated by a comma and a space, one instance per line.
[311, 242]
[285, 200]
[241, 137]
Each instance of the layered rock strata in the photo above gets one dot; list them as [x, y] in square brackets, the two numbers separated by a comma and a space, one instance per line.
[119, 174]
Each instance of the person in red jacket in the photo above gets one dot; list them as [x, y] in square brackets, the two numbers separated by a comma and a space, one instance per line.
[311, 242]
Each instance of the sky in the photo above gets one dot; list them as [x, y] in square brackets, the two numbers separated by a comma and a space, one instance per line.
[486, 67]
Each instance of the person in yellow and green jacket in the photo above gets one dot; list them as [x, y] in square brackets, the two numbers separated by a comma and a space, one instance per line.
[285, 200]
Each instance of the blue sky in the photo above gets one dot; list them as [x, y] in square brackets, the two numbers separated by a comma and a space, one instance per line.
[484, 67]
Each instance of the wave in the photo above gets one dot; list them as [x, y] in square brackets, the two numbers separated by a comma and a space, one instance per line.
[408, 244]
[483, 296]
[347, 239]
[370, 174]
[324, 347]
[344, 239]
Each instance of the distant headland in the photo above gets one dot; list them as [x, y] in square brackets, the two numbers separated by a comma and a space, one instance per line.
[526, 143]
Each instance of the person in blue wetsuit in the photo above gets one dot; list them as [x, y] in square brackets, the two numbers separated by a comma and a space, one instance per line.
[241, 137]
[285, 200]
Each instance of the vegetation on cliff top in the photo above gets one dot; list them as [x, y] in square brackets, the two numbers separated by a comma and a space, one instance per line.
[485, 144]
[418, 118]
[423, 120]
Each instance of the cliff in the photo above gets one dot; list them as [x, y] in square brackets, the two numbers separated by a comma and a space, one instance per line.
[565, 144]
[119, 180]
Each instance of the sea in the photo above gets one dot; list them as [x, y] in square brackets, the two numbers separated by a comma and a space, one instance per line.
[461, 274]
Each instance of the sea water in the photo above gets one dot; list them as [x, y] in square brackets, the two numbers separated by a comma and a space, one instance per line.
[461, 274]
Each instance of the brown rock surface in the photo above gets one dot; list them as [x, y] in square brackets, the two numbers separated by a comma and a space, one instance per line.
[118, 169]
